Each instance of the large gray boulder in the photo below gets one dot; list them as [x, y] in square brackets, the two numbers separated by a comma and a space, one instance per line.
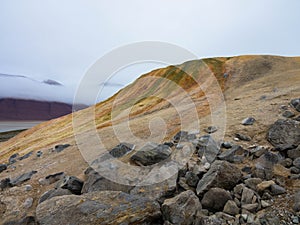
[151, 154]
[98, 208]
[284, 134]
[221, 174]
[215, 199]
[181, 209]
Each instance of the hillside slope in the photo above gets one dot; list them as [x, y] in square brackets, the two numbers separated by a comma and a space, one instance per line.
[154, 108]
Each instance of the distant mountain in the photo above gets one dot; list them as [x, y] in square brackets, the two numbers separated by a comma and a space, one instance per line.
[21, 109]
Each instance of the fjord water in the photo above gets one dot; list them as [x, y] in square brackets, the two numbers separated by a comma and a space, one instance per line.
[17, 125]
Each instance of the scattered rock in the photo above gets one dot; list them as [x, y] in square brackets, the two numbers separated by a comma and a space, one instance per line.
[22, 178]
[183, 136]
[211, 129]
[231, 208]
[226, 145]
[215, 199]
[287, 162]
[105, 207]
[294, 153]
[208, 148]
[28, 203]
[5, 183]
[250, 207]
[235, 154]
[296, 103]
[253, 182]
[258, 151]
[27, 187]
[284, 134]
[121, 150]
[277, 190]
[221, 174]
[13, 158]
[3, 167]
[25, 156]
[53, 193]
[73, 184]
[39, 153]
[243, 137]
[280, 171]
[296, 162]
[52, 178]
[248, 121]
[288, 114]
[247, 196]
[264, 185]
[60, 148]
[151, 154]
[181, 209]
[191, 179]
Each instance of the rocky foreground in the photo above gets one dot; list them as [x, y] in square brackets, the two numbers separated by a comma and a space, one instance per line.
[221, 183]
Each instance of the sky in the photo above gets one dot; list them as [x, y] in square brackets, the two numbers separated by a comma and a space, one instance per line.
[62, 39]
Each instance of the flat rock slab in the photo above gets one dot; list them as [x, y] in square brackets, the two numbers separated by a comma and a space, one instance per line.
[98, 208]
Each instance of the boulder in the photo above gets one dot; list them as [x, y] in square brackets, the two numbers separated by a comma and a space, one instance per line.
[252, 183]
[71, 183]
[191, 179]
[121, 150]
[284, 134]
[296, 104]
[207, 147]
[53, 193]
[221, 174]
[96, 182]
[215, 199]
[98, 208]
[231, 208]
[181, 209]
[151, 154]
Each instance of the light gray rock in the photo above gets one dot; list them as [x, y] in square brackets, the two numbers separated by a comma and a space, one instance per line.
[247, 196]
[231, 208]
[277, 190]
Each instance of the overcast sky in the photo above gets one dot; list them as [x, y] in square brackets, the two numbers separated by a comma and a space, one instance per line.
[61, 39]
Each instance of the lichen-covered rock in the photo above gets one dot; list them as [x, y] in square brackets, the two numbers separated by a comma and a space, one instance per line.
[98, 208]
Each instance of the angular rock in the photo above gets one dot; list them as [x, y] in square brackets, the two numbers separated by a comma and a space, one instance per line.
[52, 178]
[3, 167]
[207, 147]
[264, 185]
[265, 164]
[22, 178]
[288, 114]
[248, 121]
[284, 134]
[98, 208]
[294, 153]
[226, 145]
[181, 209]
[25, 156]
[211, 129]
[96, 182]
[258, 151]
[296, 162]
[221, 174]
[253, 182]
[60, 148]
[296, 103]
[73, 184]
[53, 193]
[13, 158]
[243, 137]
[231, 208]
[247, 196]
[121, 150]
[250, 207]
[235, 154]
[151, 154]
[277, 190]
[215, 199]
[281, 171]
[191, 179]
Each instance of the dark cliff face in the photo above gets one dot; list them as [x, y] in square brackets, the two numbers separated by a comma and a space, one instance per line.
[19, 109]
